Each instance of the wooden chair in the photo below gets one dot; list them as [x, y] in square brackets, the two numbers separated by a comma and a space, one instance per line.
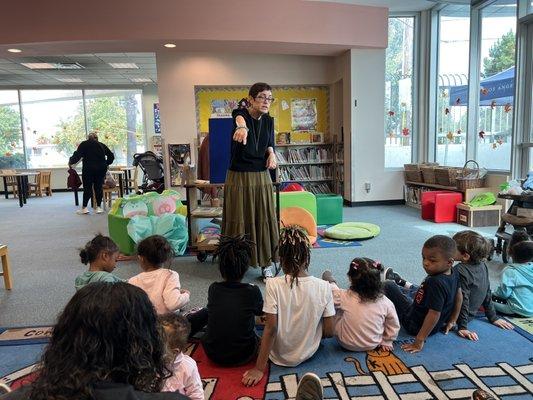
[108, 196]
[11, 181]
[6, 269]
[41, 184]
[133, 183]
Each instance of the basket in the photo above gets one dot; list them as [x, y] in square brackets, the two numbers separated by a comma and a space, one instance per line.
[470, 182]
[411, 167]
[447, 176]
[428, 172]
[413, 176]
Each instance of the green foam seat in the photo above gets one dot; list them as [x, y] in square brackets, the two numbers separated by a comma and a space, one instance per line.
[352, 231]
[305, 200]
[119, 233]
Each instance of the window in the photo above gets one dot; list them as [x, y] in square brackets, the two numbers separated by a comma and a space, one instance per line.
[11, 145]
[53, 126]
[452, 85]
[399, 92]
[497, 85]
[117, 117]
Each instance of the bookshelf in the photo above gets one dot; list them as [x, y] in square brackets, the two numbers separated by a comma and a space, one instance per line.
[318, 167]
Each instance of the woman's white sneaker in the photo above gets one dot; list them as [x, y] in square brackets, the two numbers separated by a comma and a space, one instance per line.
[83, 211]
[98, 210]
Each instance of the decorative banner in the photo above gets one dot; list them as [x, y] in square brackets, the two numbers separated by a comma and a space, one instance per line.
[157, 119]
[303, 115]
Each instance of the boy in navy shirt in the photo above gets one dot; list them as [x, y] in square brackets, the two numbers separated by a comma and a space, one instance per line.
[437, 301]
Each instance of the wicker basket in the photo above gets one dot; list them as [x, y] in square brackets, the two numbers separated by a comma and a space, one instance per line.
[413, 176]
[428, 172]
[411, 167]
[447, 176]
[471, 182]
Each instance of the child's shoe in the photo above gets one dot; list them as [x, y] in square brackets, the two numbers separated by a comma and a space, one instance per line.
[309, 388]
[480, 394]
[388, 274]
[267, 273]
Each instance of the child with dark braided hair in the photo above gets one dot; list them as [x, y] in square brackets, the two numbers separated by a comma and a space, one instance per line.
[298, 308]
[230, 339]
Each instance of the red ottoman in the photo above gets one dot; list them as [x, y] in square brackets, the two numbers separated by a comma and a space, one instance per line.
[440, 205]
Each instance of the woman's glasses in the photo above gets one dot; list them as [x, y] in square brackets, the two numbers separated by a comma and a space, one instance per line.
[265, 99]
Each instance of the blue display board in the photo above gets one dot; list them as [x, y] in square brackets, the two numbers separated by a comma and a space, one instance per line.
[220, 133]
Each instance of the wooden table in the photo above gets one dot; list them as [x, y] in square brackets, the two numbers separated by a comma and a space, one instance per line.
[22, 184]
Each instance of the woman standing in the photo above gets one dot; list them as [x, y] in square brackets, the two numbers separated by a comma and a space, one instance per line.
[96, 158]
[248, 196]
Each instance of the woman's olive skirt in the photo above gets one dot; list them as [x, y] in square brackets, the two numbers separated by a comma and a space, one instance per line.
[249, 209]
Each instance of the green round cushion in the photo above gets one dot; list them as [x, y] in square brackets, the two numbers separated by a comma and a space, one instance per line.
[352, 230]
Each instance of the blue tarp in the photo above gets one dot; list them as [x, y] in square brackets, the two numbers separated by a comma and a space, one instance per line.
[498, 88]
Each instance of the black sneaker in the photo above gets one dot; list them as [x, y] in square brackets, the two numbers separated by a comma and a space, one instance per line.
[389, 275]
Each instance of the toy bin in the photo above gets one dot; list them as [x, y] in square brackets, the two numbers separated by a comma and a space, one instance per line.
[118, 231]
[329, 209]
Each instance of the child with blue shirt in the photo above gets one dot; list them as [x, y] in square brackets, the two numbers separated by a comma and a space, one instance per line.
[515, 293]
[101, 254]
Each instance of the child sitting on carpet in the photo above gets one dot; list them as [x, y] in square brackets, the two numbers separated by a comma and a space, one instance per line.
[101, 254]
[472, 250]
[515, 293]
[438, 299]
[298, 309]
[365, 318]
[161, 284]
[185, 378]
[231, 339]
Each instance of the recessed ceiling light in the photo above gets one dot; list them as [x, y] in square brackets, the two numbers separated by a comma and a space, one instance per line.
[170, 45]
[124, 65]
[45, 65]
[14, 50]
[141, 80]
[70, 80]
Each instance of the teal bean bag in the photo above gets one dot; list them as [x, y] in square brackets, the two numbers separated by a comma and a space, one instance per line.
[352, 231]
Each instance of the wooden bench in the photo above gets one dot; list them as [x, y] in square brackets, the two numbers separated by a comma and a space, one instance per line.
[6, 270]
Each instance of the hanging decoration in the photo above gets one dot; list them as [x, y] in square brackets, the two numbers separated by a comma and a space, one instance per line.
[507, 107]
[484, 91]
[457, 101]
[493, 104]
[481, 134]
[494, 145]
[446, 111]
[449, 136]
[405, 131]
[459, 131]
[391, 113]
[444, 94]
[391, 135]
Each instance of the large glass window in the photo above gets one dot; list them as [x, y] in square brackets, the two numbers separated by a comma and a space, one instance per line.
[452, 85]
[117, 117]
[53, 126]
[399, 92]
[497, 85]
[11, 147]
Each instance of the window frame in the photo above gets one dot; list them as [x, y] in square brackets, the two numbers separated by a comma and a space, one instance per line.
[415, 131]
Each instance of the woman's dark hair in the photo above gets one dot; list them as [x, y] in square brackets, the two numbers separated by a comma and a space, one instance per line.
[517, 237]
[364, 275]
[234, 254]
[523, 252]
[156, 250]
[257, 88]
[473, 244]
[94, 247]
[107, 332]
[294, 251]
[176, 329]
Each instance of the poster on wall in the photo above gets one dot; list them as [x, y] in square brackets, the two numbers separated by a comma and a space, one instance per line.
[303, 115]
[157, 119]
[179, 155]
[222, 108]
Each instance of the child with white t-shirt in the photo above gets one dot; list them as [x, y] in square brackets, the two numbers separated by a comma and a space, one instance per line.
[299, 309]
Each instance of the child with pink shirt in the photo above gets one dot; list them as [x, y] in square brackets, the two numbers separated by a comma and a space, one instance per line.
[185, 378]
[162, 285]
[365, 318]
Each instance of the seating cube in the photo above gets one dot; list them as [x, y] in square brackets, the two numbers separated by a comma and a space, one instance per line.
[329, 209]
[118, 231]
[440, 205]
